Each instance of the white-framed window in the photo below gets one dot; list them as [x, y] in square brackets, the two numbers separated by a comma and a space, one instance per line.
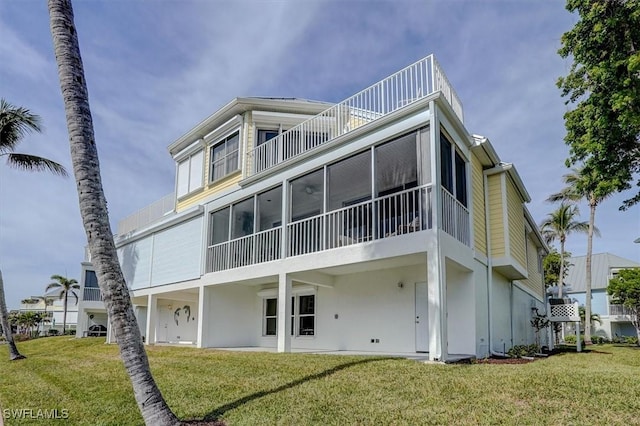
[190, 174]
[303, 315]
[270, 326]
[263, 135]
[225, 158]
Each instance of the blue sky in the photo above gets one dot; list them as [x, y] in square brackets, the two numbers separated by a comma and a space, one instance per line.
[156, 68]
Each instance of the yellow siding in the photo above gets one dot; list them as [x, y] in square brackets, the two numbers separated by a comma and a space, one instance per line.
[496, 219]
[515, 212]
[534, 279]
[251, 130]
[479, 214]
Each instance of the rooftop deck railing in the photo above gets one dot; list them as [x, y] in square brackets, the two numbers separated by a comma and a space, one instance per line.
[403, 88]
[147, 215]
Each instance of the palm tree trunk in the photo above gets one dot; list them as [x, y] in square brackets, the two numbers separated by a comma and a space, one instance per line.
[587, 302]
[6, 328]
[561, 277]
[93, 210]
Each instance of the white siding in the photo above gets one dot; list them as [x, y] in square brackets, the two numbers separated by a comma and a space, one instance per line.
[135, 259]
[177, 252]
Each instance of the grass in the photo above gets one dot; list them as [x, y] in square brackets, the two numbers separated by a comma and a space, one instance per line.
[86, 377]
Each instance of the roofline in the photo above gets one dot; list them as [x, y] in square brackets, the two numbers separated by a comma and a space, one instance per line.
[241, 105]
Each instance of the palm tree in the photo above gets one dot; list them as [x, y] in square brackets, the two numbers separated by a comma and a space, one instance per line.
[15, 123]
[67, 287]
[582, 184]
[95, 218]
[557, 226]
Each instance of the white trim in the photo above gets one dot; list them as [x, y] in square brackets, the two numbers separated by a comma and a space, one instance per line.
[267, 118]
[224, 130]
[188, 151]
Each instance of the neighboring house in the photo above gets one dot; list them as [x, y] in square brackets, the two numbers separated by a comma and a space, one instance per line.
[377, 224]
[54, 311]
[604, 266]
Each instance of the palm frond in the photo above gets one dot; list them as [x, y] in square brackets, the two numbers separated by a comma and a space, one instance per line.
[15, 123]
[35, 164]
[52, 286]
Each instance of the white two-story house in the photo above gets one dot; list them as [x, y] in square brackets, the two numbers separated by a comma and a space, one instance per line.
[379, 224]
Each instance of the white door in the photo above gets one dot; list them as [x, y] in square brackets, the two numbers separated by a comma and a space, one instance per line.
[422, 317]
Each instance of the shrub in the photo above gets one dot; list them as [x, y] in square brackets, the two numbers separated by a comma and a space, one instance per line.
[631, 340]
[570, 339]
[53, 332]
[518, 351]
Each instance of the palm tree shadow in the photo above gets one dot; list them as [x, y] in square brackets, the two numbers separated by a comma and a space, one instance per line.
[218, 412]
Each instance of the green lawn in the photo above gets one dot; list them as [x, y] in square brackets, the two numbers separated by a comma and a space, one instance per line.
[86, 377]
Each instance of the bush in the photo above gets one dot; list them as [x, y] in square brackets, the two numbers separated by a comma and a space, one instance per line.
[53, 332]
[518, 351]
[570, 339]
[630, 340]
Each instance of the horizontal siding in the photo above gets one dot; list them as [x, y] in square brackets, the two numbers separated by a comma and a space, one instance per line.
[496, 219]
[534, 279]
[515, 211]
[177, 252]
[479, 213]
[135, 260]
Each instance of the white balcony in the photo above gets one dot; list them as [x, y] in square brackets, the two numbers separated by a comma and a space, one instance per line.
[620, 310]
[92, 294]
[397, 91]
[390, 216]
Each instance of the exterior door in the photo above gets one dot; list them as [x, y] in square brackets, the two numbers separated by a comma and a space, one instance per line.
[422, 317]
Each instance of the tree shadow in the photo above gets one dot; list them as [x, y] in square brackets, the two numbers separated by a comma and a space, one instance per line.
[218, 412]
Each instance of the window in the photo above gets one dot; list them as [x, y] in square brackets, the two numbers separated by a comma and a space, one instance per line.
[225, 157]
[302, 315]
[270, 317]
[396, 165]
[219, 227]
[190, 174]
[306, 315]
[307, 195]
[90, 279]
[264, 135]
[453, 172]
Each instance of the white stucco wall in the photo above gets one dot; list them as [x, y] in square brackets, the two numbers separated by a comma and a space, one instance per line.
[460, 310]
[500, 307]
[232, 316]
[185, 330]
[481, 309]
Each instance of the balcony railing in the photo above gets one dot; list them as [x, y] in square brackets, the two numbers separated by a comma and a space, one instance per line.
[619, 310]
[92, 294]
[147, 215]
[403, 88]
[455, 218]
[384, 217]
[257, 248]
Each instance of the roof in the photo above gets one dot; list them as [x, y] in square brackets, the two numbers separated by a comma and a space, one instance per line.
[601, 266]
[241, 105]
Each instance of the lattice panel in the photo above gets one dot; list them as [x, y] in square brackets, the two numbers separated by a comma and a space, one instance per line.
[565, 312]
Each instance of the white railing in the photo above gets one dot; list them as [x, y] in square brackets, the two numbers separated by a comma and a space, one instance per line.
[388, 216]
[396, 214]
[147, 215]
[619, 310]
[256, 248]
[455, 218]
[403, 88]
[92, 294]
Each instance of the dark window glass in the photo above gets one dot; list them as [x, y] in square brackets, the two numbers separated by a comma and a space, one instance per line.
[461, 180]
[90, 279]
[446, 164]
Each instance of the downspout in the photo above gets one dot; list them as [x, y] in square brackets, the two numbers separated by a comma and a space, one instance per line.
[494, 170]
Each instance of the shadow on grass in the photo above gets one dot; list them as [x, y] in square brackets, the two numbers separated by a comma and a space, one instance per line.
[218, 412]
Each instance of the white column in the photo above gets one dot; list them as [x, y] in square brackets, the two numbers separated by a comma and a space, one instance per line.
[436, 289]
[203, 307]
[284, 313]
[152, 313]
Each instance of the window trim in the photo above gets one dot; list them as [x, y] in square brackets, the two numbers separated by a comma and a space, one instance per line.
[224, 159]
[188, 159]
[296, 293]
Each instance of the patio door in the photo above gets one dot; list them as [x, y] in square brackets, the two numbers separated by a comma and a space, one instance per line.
[422, 317]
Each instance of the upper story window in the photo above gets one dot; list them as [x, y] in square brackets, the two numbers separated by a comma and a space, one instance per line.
[264, 135]
[453, 174]
[225, 158]
[90, 279]
[190, 174]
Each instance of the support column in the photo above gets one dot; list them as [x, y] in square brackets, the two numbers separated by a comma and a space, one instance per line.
[436, 289]
[152, 313]
[284, 313]
[203, 307]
